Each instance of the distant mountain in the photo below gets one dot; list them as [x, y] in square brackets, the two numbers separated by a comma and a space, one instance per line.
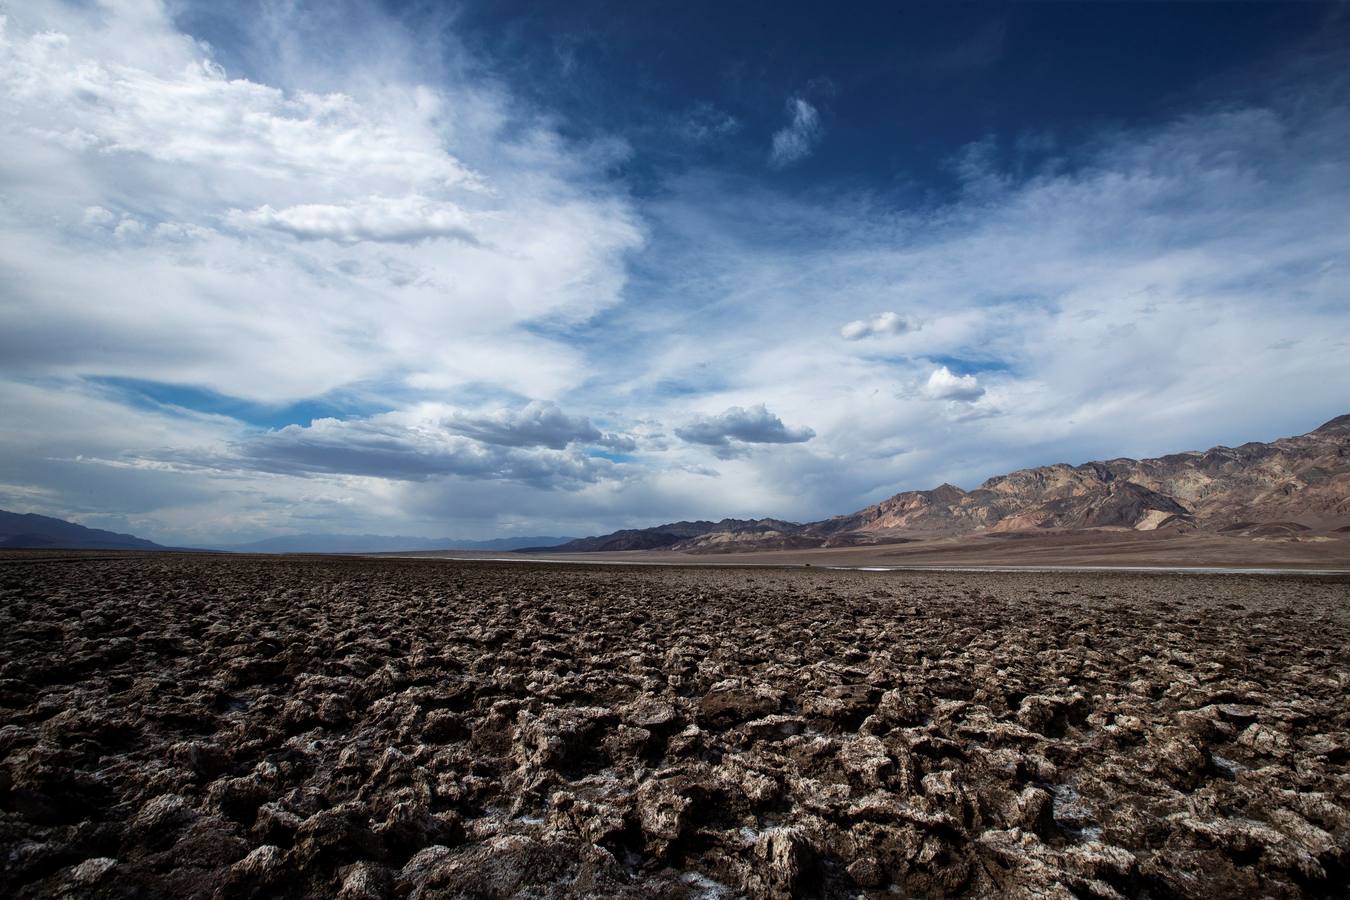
[678, 535]
[1291, 489]
[29, 531]
[381, 543]
[1278, 490]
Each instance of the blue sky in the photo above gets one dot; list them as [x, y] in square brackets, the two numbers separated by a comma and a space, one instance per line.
[483, 269]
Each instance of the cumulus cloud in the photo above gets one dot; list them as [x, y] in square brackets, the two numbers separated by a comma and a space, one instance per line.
[943, 384]
[798, 139]
[538, 424]
[619, 443]
[755, 425]
[881, 324]
[381, 219]
[163, 97]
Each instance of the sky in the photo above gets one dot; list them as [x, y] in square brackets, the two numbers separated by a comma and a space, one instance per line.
[503, 268]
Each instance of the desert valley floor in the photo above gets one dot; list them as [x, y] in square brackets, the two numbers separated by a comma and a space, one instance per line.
[195, 725]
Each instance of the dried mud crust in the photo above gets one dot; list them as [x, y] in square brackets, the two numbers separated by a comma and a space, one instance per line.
[198, 726]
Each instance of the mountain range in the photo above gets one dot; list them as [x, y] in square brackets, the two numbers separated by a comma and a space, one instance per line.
[1284, 488]
[29, 531]
[1295, 488]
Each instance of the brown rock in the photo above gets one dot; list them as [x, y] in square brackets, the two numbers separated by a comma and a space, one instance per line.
[364, 881]
[782, 858]
[729, 703]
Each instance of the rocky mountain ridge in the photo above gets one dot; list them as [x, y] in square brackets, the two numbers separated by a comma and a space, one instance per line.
[1276, 489]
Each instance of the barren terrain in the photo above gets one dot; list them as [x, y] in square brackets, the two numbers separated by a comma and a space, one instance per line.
[179, 725]
[1034, 549]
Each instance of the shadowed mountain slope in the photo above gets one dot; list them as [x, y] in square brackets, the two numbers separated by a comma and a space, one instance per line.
[29, 531]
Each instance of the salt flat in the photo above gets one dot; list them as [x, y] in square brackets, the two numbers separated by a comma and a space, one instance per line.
[193, 725]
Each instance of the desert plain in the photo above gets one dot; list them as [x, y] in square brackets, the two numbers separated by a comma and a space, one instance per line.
[191, 725]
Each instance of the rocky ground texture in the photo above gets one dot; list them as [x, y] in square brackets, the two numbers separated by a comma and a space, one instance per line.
[199, 726]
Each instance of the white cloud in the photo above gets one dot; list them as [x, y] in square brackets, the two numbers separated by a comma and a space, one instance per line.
[129, 228]
[798, 139]
[98, 217]
[881, 324]
[70, 83]
[139, 173]
[382, 219]
[942, 384]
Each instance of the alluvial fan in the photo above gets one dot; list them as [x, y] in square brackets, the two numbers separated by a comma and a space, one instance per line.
[249, 727]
